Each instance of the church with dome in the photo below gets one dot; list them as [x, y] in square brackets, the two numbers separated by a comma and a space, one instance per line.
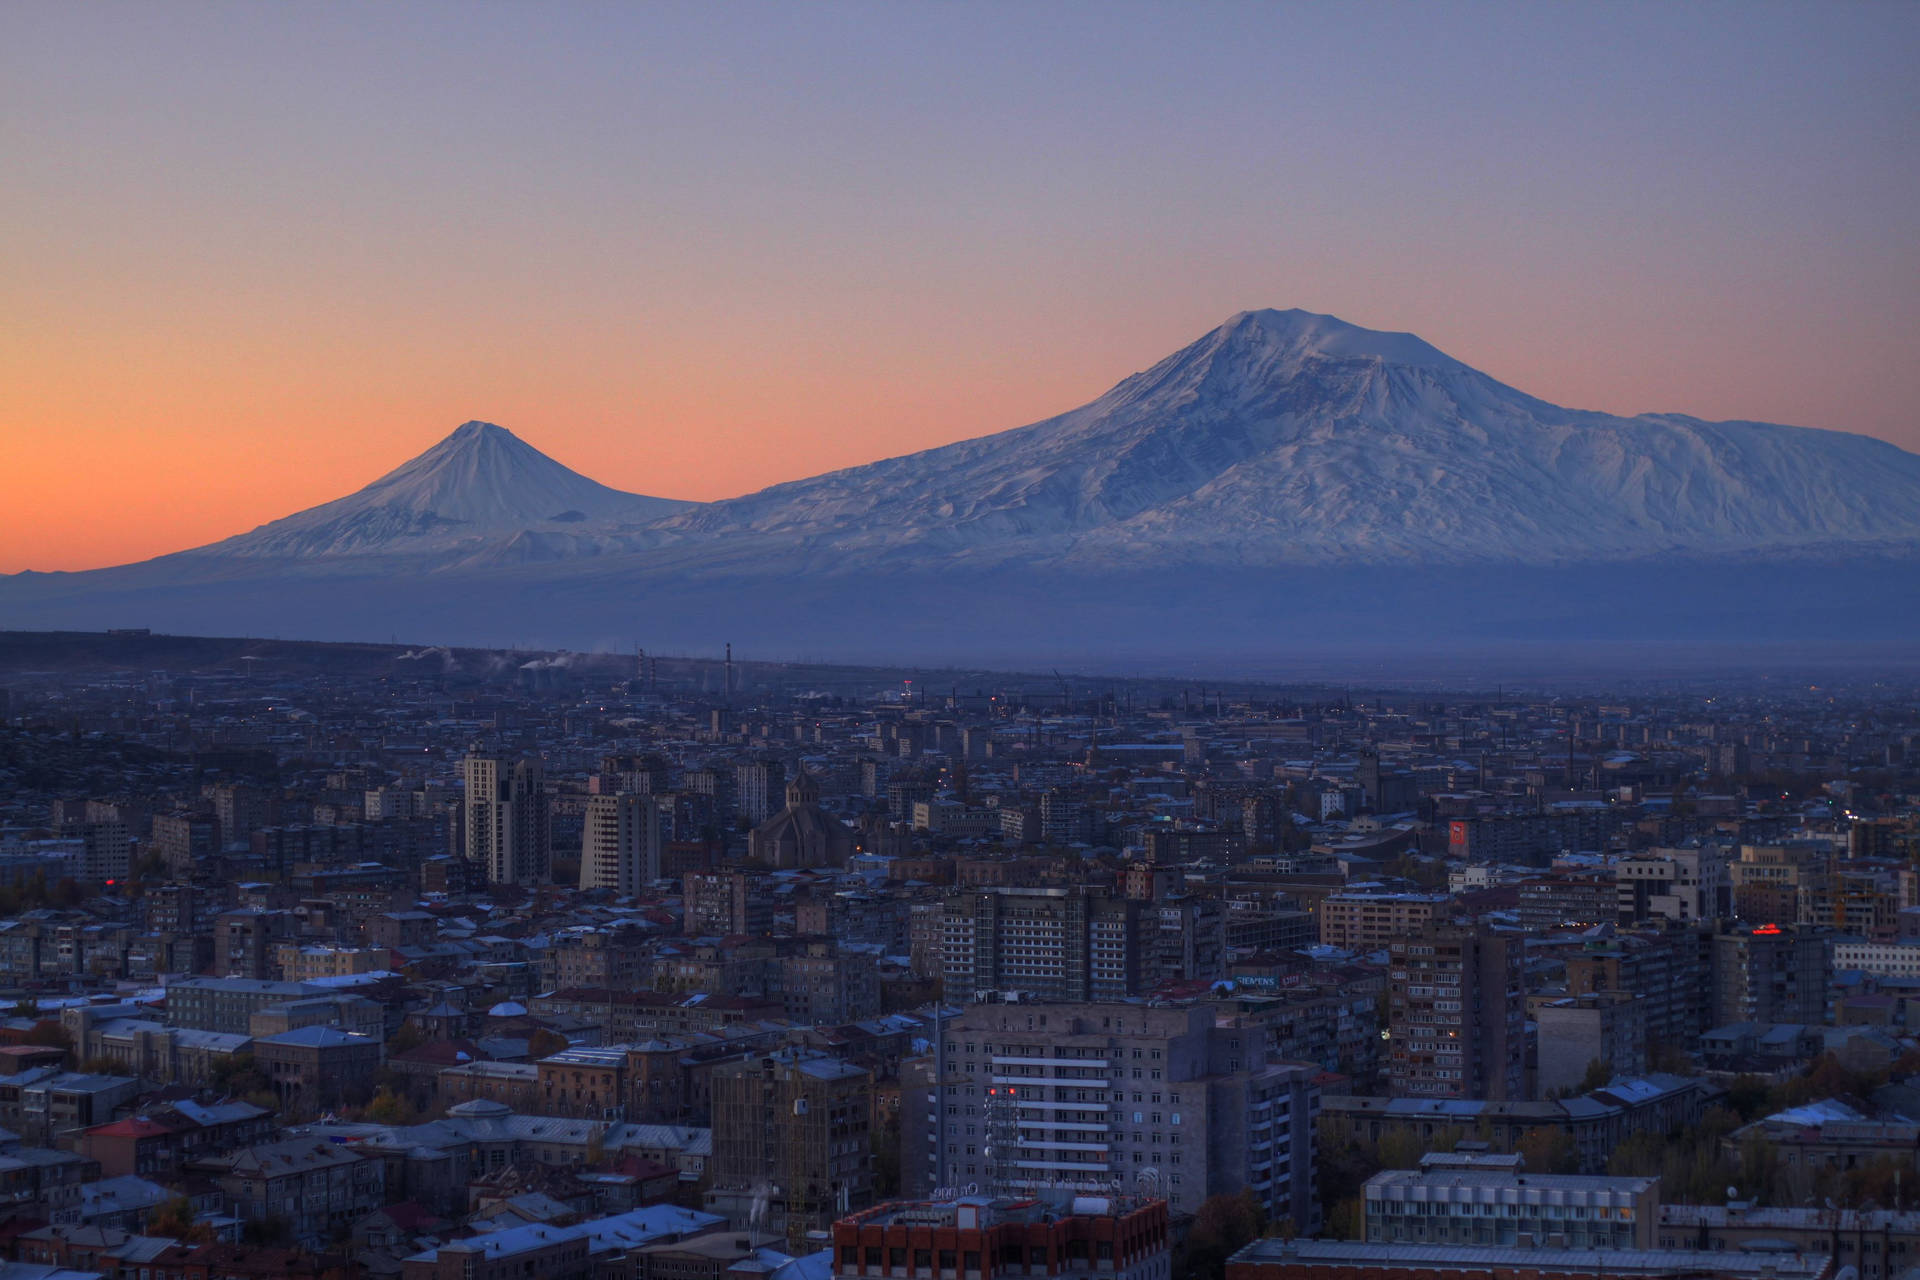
[803, 834]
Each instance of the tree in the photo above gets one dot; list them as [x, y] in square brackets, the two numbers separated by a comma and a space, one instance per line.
[1747, 1095]
[177, 1220]
[1222, 1225]
[1599, 1072]
[1548, 1150]
[389, 1107]
[272, 1230]
[1343, 1166]
[1672, 1059]
[50, 1034]
[544, 1043]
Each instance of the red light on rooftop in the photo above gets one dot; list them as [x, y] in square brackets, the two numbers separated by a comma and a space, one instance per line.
[1766, 929]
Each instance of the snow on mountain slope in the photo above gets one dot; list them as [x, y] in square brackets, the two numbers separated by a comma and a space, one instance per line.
[1288, 437]
[480, 489]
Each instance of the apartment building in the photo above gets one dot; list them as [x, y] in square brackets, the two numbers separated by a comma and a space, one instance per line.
[1453, 1201]
[1370, 921]
[1099, 1096]
[1457, 1016]
[791, 1138]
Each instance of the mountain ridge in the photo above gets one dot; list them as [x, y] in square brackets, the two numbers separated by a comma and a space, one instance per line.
[1285, 479]
[1290, 437]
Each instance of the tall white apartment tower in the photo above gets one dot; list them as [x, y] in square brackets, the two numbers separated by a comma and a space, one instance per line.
[620, 842]
[508, 831]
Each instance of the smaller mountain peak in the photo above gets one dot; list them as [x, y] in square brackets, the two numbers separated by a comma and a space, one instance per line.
[1308, 333]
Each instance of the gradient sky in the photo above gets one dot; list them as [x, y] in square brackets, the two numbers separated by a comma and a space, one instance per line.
[253, 255]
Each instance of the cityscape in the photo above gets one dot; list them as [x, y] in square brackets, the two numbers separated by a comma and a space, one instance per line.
[1095, 640]
[347, 960]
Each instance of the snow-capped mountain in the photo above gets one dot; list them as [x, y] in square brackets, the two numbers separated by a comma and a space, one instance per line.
[1286, 483]
[1284, 437]
[480, 488]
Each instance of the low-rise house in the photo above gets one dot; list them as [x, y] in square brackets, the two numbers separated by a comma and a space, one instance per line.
[124, 1202]
[51, 1104]
[319, 1066]
[555, 1253]
[314, 1186]
[159, 1141]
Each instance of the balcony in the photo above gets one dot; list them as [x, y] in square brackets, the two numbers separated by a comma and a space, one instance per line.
[1049, 1062]
[1073, 1166]
[1031, 1145]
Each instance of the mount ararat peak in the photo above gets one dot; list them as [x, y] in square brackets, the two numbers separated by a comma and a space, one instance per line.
[1286, 437]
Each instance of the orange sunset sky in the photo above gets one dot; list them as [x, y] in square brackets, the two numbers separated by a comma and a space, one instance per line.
[252, 257]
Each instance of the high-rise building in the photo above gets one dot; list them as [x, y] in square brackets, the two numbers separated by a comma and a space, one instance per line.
[620, 842]
[716, 784]
[1770, 973]
[1361, 921]
[106, 852]
[508, 827]
[1575, 1031]
[1105, 1097]
[1457, 1014]
[1677, 884]
[791, 1141]
[1075, 943]
[1669, 968]
[383, 803]
[1050, 944]
[240, 808]
[758, 786]
[184, 840]
[1065, 818]
[722, 903]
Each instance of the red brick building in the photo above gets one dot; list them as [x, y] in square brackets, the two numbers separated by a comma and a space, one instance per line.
[1118, 1237]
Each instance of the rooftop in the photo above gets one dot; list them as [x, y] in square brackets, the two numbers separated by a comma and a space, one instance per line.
[993, 1211]
[1667, 1264]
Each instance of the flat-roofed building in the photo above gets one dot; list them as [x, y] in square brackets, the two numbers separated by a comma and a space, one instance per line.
[1370, 921]
[1453, 1202]
[1364, 1260]
[981, 1237]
